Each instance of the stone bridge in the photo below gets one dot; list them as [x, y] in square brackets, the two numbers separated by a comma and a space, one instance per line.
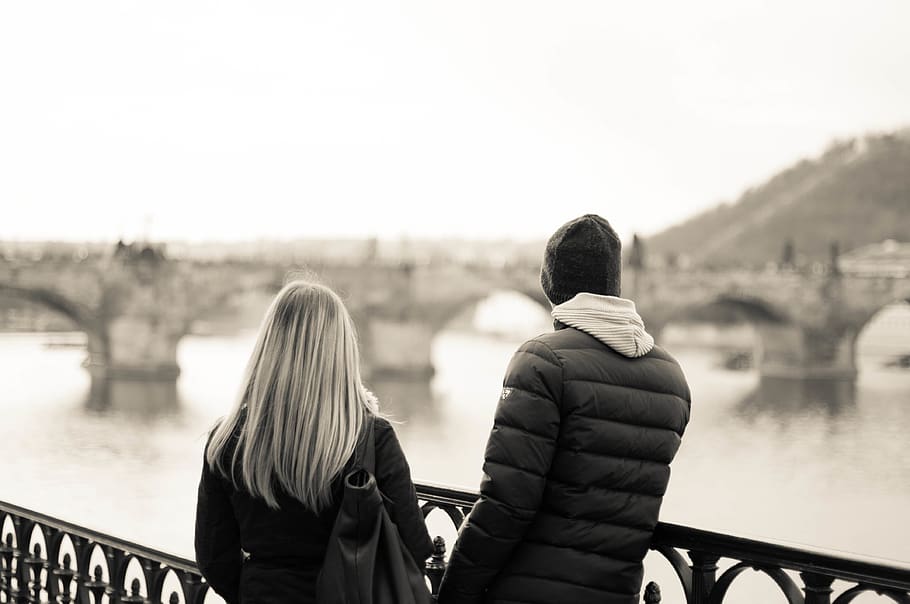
[807, 324]
[135, 308]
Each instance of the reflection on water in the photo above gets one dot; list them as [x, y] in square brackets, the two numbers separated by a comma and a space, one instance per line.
[769, 459]
[784, 398]
[411, 399]
[140, 398]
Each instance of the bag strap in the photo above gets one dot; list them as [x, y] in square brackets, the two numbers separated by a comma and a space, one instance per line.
[365, 457]
[369, 461]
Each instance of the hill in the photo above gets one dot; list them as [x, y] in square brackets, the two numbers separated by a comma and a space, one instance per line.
[857, 192]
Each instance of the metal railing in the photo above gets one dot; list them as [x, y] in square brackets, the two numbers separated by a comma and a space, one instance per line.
[44, 559]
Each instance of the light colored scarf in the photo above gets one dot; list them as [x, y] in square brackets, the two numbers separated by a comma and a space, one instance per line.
[610, 319]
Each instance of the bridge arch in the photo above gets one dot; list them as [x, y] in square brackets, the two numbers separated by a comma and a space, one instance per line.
[475, 312]
[459, 308]
[897, 293]
[81, 316]
[726, 309]
[888, 325]
[752, 331]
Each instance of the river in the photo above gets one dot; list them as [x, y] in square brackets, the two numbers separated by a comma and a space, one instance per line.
[818, 465]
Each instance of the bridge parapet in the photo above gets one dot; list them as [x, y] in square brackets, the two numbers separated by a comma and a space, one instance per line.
[47, 559]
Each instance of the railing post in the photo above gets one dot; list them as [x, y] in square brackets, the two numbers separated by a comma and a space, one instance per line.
[436, 565]
[704, 571]
[81, 563]
[818, 588]
[116, 573]
[652, 593]
[194, 589]
[17, 595]
[135, 597]
[23, 528]
[34, 565]
[97, 586]
[64, 578]
[6, 567]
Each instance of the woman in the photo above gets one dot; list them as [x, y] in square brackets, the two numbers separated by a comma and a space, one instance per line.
[271, 481]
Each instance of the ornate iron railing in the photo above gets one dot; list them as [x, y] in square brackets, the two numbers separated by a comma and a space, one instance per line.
[43, 560]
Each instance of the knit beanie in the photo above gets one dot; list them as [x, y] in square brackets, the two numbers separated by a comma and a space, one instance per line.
[583, 255]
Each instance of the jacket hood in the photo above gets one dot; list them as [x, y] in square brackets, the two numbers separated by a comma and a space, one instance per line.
[610, 319]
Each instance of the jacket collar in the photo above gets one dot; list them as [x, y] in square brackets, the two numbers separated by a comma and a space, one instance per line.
[610, 319]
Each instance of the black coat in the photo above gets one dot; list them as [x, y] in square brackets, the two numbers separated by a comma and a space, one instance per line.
[286, 547]
[575, 472]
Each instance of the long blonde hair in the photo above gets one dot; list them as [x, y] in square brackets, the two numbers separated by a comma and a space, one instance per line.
[303, 400]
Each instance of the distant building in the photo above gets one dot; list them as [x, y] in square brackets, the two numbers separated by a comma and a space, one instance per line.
[886, 259]
[134, 252]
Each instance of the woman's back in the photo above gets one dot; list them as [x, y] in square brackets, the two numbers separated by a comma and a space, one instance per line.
[285, 547]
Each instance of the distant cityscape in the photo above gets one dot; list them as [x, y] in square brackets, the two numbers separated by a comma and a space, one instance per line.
[423, 252]
[500, 252]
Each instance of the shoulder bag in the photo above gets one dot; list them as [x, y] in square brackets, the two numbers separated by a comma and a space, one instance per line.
[366, 561]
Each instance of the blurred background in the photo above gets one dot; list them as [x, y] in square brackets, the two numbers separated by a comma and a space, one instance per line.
[165, 167]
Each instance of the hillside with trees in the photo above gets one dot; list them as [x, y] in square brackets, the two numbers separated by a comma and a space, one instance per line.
[857, 192]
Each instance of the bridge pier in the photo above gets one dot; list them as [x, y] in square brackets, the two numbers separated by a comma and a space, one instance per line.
[142, 348]
[788, 351]
[131, 395]
[136, 370]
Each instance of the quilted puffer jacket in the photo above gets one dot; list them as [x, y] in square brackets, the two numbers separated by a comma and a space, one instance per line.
[576, 468]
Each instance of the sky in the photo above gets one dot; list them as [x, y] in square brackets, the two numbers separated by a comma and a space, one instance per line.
[219, 120]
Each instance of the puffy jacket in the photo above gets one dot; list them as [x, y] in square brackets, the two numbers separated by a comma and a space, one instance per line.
[286, 547]
[576, 468]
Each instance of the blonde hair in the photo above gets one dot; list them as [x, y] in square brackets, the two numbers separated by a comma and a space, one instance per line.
[303, 400]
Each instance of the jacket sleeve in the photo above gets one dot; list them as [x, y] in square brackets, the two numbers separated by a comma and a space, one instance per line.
[218, 551]
[393, 476]
[518, 457]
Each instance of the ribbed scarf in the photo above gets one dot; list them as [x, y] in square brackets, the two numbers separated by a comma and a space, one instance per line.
[610, 319]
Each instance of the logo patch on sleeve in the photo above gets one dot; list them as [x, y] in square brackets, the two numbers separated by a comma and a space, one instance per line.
[506, 392]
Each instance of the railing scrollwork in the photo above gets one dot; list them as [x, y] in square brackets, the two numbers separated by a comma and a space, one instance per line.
[783, 565]
[47, 560]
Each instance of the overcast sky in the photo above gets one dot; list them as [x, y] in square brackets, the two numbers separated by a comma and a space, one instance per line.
[222, 120]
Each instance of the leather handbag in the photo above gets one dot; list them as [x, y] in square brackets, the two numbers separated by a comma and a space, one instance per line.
[366, 561]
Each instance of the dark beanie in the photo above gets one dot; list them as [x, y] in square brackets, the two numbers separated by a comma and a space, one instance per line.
[583, 255]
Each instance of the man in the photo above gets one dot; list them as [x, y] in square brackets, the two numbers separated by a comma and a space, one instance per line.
[577, 462]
